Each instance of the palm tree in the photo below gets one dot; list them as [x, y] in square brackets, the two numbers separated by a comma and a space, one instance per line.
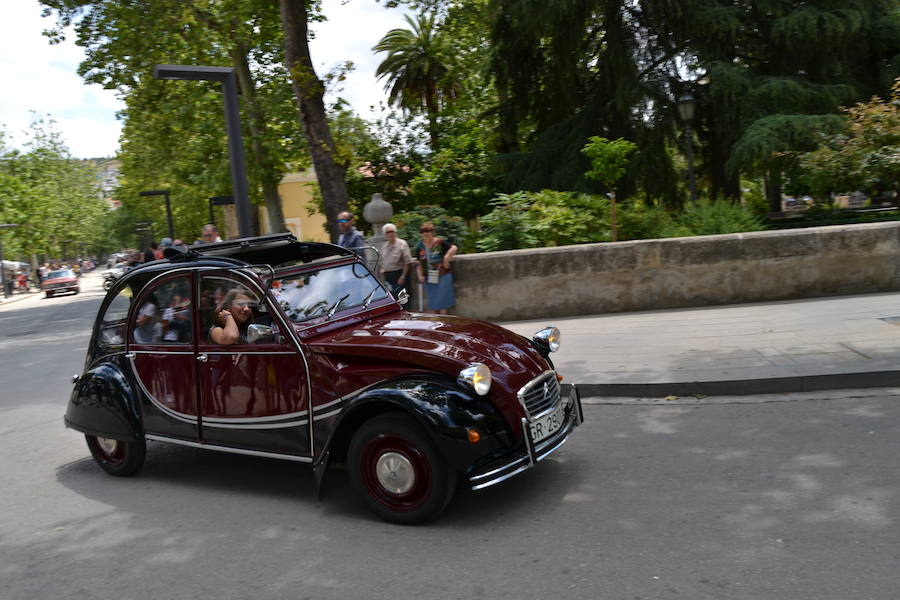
[418, 75]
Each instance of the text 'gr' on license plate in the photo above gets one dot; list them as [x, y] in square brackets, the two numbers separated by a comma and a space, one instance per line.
[548, 424]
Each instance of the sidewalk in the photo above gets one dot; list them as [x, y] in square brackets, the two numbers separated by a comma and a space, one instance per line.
[788, 346]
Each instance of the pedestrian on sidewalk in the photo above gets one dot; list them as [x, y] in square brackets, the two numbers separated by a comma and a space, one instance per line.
[433, 268]
[350, 238]
[395, 259]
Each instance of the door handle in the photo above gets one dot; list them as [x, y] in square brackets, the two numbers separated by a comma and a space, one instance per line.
[130, 355]
[202, 358]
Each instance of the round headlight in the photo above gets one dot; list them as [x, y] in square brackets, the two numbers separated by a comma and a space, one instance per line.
[478, 376]
[549, 336]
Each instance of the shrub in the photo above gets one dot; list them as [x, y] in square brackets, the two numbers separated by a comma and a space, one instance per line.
[640, 220]
[710, 217]
[449, 227]
[546, 218]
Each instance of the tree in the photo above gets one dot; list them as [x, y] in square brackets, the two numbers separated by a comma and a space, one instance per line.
[417, 71]
[609, 162]
[123, 41]
[309, 92]
[52, 197]
[866, 155]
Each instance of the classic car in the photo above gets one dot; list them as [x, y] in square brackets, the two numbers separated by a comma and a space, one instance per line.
[277, 348]
[61, 280]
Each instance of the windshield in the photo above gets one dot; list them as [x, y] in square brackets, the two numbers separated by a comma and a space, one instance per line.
[60, 273]
[322, 293]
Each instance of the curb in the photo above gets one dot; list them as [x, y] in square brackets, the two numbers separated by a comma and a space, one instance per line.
[744, 387]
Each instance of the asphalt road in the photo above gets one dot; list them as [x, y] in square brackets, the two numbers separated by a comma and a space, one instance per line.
[793, 497]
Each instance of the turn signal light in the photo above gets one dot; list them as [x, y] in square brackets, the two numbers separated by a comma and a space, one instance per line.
[474, 436]
[559, 377]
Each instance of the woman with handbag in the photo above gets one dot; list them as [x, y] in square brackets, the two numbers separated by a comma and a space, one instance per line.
[433, 267]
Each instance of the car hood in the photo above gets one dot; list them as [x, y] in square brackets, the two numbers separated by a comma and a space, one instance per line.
[442, 343]
[59, 280]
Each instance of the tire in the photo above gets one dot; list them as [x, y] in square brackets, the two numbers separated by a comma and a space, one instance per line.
[107, 283]
[396, 447]
[117, 457]
[48, 295]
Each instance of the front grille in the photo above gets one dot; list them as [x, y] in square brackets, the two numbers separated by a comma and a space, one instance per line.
[540, 394]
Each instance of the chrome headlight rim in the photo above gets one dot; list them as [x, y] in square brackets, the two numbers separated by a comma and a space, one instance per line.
[478, 377]
[549, 337]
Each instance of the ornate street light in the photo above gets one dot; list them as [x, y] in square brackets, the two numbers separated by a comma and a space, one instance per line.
[225, 76]
[687, 108]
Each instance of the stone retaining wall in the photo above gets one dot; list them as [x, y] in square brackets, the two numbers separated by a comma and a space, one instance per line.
[677, 272]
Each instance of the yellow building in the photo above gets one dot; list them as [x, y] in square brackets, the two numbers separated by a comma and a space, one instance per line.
[296, 191]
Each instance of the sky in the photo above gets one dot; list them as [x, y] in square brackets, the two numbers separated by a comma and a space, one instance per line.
[43, 79]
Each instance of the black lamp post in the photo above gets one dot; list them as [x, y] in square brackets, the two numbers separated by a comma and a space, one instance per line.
[2, 268]
[225, 76]
[168, 208]
[218, 201]
[687, 108]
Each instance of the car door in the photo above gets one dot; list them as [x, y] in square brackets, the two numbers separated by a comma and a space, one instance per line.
[161, 349]
[253, 394]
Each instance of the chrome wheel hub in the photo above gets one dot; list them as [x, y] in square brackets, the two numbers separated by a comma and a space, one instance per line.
[107, 445]
[395, 473]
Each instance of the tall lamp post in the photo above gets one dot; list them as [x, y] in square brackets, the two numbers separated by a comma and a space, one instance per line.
[218, 201]
[687, 108]
[2, 268]
[168, 208]
[225, 76]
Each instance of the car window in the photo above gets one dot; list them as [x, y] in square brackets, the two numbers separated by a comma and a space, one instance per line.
[60, 273]
[165, 316]
[317, 293]
[220, 293]
[112, 324]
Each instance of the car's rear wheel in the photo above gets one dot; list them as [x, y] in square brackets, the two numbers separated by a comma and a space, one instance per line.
[107, 284]
[398, 471]
[117, 457]
[48, 294]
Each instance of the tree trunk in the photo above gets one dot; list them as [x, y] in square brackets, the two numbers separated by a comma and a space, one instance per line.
[773, 189]
[268, 174]
[309, 91]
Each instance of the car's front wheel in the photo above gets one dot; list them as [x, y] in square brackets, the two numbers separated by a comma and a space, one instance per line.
[398, 471]
[117, 457]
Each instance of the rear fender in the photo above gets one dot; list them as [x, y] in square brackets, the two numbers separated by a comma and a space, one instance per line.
[104, 403]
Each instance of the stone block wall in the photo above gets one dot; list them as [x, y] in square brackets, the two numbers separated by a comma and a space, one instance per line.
[678, 272]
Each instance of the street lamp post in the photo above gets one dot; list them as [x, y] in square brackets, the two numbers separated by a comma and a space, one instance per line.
[225, 76]
[168, 208]
[2, 274]
[218, 201]
[687, 107]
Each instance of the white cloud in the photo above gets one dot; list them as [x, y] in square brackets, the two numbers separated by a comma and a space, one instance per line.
[43, 78]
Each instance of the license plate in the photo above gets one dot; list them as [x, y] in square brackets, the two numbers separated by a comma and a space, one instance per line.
[548, 424]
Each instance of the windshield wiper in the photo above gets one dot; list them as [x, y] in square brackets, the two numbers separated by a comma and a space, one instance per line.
[335, 305]
[369, 297]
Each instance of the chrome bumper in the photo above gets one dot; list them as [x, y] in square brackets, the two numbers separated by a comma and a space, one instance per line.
[533, 453]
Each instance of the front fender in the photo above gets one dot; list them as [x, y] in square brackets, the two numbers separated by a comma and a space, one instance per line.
[104, 403]
[444, 409]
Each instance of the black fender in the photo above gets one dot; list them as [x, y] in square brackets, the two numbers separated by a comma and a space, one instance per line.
[104, 403]
[445, 408]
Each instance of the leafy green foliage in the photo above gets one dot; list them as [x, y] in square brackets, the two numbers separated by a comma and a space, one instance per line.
[53, 198]
[865, 156]
[711, 217]
[447, 226]
[609, 159]
[640, 220]
[546, 218]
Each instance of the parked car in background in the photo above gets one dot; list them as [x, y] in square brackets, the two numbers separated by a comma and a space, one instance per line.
[60, 281]
[272, 347]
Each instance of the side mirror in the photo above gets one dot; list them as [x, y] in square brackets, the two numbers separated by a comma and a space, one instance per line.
[403, 297]
[259, 333]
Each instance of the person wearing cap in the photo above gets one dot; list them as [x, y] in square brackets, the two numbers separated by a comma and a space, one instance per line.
[350, 237]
